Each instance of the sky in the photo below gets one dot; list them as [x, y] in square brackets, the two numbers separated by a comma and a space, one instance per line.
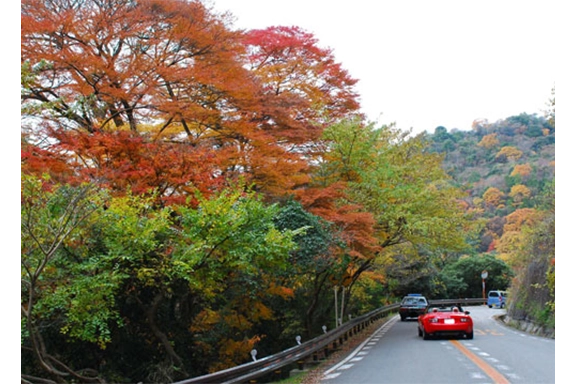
[424, 64]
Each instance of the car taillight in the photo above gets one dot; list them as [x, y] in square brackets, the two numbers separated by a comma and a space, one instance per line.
[464, 319]
[433, 320]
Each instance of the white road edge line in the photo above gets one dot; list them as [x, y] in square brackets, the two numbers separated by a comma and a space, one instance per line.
[350, 356]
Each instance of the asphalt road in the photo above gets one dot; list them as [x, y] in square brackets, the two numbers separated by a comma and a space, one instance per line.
[497, 354]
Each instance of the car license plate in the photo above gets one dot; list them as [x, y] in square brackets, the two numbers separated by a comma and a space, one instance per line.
[448, 321]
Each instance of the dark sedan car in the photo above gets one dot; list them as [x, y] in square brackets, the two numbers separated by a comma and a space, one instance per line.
[412, 305]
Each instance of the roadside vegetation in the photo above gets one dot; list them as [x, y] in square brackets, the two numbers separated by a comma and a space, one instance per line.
[190, 192]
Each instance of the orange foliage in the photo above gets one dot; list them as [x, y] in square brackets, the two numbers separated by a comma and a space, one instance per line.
[518, 218]
[231, 351]
[479, 124]
[355, 226]
[518, 193]
[489, 141]
[122, 160]
[205, 320]
[523, 170]
[245, 103]
[279, 290]
[161, 68]
[493, 196]
[511, 153]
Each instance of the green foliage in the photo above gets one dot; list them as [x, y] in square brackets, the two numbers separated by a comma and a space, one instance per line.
[512, 180]
[232, 230]
[313, 244]
[543, 142]
[551, 285]
[474, 178]
[310, 265]
[524, 307]
[406, 270]
[55, 296]
[440, 134]
[462, 278]
[134, 236]
[90, 306]
[395, 178]
[90, 263]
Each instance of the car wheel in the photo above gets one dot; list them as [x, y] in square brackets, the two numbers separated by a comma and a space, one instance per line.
[426, 335]
[419, 332]
[402, 318]
[470, 335]
[489, 306]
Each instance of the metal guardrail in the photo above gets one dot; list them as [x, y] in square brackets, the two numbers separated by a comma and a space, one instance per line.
[463, 302]
[270, 364]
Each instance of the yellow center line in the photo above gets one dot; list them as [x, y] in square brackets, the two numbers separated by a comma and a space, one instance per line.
[487, 368]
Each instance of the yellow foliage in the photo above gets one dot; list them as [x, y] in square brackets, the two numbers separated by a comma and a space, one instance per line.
[477, 201]
[374, 276]
[523, 170]
[518, 193]
[518, 218]
[511, 153]
[205, 320]
[493, 196]
[508, 245]
[260, 311]
[489, 141]
[512, 243]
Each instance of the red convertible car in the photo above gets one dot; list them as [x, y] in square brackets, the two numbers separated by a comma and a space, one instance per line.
[445, 322]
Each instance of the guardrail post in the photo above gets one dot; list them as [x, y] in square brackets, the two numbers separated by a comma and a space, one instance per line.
[301, 365]
[278, 373]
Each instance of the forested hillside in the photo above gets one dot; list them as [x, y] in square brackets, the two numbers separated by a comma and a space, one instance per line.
[190, 192]
[504, 166]
[507, 168]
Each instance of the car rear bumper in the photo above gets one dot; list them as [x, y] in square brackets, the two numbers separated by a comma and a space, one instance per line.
[412, 312]
[450, 329]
